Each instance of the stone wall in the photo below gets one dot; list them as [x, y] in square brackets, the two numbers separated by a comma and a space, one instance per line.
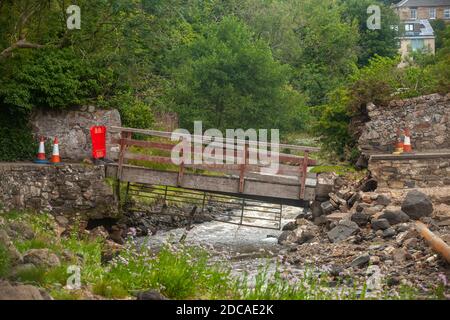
[70, 188]
[428, 118]
[72, 129]
[411, 171]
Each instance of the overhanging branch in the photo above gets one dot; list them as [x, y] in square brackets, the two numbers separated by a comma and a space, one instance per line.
[21, 44]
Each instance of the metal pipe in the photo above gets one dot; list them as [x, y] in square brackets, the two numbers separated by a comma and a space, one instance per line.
[434, 241]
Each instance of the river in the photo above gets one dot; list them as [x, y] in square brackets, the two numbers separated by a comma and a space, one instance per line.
[246, 249]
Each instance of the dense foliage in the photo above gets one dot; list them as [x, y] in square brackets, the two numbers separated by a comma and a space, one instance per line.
[235, 63]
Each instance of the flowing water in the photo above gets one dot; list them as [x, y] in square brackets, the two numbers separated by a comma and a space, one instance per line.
[246, 249]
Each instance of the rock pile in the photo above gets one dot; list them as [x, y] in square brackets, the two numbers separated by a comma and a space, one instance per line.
[355, 205]
[357, 228]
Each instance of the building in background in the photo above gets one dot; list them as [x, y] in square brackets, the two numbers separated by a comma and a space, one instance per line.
[416, 35]
[423, 9]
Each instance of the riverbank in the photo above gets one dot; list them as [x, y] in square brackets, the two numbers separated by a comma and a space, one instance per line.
[41, 254]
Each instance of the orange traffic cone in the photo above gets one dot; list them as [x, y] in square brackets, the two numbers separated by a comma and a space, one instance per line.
[55, 155]
[407, 144]
[41, 158]
[399, 145]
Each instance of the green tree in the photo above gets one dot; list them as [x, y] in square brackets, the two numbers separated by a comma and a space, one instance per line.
[228, 80]
[311, 36]
[380, 42]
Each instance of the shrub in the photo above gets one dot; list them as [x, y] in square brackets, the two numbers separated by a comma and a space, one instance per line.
[5, 261]
[51, 77]
[134, 113]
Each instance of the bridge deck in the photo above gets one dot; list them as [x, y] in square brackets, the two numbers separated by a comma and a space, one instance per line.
[291, 185]
[273, 189]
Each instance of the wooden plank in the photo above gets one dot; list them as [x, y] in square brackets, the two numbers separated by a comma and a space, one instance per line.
[227, 168]
[288, 180]
[207, 139]
[144, 157]
[282, 157]
[146, 144]
[208, 183]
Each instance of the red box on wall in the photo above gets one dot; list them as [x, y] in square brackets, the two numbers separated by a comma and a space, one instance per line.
[98, 136]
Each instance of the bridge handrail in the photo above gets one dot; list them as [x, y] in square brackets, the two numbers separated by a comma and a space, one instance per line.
[126, 140]
[207, 139]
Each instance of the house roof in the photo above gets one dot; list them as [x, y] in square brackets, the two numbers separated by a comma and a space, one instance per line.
[422, 29]
[423, 3]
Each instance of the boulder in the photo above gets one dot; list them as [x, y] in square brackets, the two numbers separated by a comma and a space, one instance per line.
[371, 211]
[150, 295]
[62, 221]
[379, 224]
[369, 185]
[316, 209]
[306, 233]
[394, 216]
[389, 232]
[383, 200]
[322, 220]
[327, 207]
[360, 261]
[360, 218]
[287, 236]
[400, 255]
[22, 268]
[360, 206]
[20, 230]
[290, 226]
[21, 292]
[4, 238]
[98, 232]
[343, 230]
[417, 205]
[14, 255]
[354, 198]
[41, 258]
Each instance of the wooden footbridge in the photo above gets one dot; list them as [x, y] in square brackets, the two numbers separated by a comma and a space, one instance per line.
[148, 162]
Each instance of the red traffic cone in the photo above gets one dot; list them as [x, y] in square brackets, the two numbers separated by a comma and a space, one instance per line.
[55, 155]
[407, 144]
[41, 158]
[399, 144]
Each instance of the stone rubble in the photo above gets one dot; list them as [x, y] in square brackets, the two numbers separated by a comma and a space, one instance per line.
[356, 230]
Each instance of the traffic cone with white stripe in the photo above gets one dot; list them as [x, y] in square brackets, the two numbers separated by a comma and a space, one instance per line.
[399, 144]
[407, 143]
[55, 155]
[41, 158]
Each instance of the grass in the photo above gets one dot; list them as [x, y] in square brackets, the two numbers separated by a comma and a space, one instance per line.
[338, 169]
[177, 271]
[5, 261]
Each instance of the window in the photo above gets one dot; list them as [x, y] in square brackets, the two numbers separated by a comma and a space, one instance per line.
[409, 27]
[447, 13]
[432, 13]
[413, 13]
[417, 44]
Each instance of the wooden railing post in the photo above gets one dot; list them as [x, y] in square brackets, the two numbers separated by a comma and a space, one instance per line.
[180, 171]
[303, 174]
[242, 170]
[123, 149]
